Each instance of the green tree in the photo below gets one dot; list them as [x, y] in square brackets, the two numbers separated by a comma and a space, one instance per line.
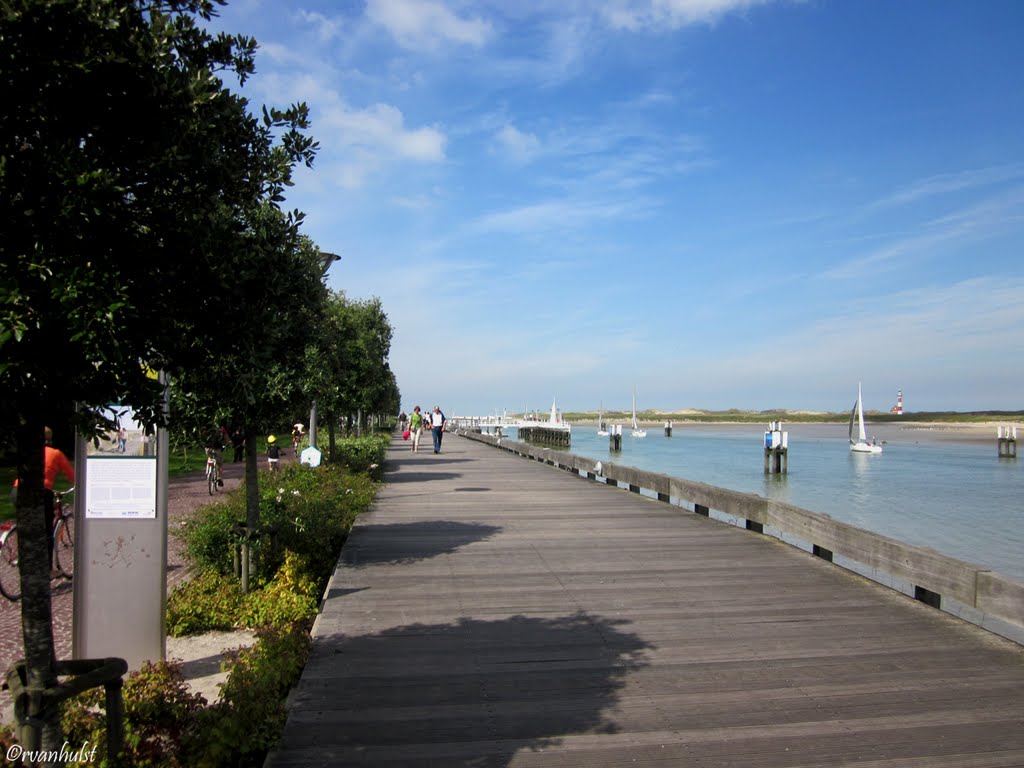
[126, 170]
[253, 374]
[347, 365]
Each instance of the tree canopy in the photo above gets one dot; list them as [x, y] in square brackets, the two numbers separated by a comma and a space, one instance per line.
[137, 195]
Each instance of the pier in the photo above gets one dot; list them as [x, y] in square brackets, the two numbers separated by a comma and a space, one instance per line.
[497, 607]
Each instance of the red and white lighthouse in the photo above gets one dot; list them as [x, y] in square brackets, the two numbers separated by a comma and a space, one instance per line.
[898, 408]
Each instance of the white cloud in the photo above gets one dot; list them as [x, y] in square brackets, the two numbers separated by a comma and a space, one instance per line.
[952, 182]
[554, 215]
[425, 25]
[361, 141]
[636, 15]
[519, 146]
[326, 28]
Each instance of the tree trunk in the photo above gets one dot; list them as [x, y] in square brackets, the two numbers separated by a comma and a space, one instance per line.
[34, 567]
[330, 437]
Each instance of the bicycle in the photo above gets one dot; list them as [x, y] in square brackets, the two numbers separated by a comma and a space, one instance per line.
[213, 479]
[63, 547]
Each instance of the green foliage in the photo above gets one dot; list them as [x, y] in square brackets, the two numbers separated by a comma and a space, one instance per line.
[291, 597]
[213, 601]
[347, 361]
[310, 509]
[247, 722]
[208, 602]
[166, 725]
[208, 534]
[160, 719]
[362, 454]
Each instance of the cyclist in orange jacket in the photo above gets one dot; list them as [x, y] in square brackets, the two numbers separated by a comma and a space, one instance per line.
[54, 463]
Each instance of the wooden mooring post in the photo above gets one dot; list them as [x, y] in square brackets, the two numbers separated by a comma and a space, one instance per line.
[1007, 438]
[668, 429]
[776, 449]
[615, 437]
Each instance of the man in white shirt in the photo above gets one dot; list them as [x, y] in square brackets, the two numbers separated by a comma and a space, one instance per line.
[437, 427]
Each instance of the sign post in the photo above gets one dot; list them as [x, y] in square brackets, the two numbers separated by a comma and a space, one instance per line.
[120, 585]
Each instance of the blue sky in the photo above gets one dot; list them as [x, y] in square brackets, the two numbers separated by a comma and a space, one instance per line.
[726, 203]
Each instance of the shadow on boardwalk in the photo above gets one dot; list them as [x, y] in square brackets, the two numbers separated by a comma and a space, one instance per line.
[395, 543]
[427, 677]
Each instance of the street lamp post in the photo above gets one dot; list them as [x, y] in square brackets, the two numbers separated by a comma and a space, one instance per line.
[326, 259]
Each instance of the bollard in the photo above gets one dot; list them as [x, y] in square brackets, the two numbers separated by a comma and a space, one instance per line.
[615, 437]
[668, 429]
[1007, 441]
[776, 449]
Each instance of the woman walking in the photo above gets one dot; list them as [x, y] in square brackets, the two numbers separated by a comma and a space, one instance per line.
[416, 427]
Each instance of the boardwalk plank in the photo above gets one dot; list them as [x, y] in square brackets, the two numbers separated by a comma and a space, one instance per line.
[492, 611]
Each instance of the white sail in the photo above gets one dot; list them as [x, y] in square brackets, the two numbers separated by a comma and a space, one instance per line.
[861, 444]
[601, 431]
[637, 432]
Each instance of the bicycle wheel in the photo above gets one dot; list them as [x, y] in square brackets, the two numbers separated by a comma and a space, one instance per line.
[10, 578]
[64, 546]
[211, 478]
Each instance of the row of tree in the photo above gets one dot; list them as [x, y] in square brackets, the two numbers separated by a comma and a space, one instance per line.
[141, 230]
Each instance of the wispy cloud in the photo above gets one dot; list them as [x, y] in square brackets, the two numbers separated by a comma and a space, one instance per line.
[517, 145]
[951, 182]
[425, 25]
[326, 28]
[553, 216]
[973, 223]
[634, 15]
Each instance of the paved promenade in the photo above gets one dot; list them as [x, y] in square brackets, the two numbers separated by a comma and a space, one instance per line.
[493, 611]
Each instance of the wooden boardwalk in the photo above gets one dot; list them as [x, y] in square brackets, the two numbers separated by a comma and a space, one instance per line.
[493, 611]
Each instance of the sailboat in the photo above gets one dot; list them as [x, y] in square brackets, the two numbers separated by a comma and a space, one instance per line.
[637, 432]
[861, 444]
[601, 430]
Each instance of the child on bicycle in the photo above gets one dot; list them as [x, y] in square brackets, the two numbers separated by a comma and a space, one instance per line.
[215, 450]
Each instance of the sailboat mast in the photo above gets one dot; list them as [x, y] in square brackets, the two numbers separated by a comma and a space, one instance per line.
[860, 414]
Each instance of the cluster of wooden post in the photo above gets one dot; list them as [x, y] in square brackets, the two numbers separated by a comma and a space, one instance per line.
[545, 435]
[1007, 438]
[615, 437]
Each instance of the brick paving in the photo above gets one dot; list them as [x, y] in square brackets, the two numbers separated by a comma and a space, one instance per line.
[186, 493]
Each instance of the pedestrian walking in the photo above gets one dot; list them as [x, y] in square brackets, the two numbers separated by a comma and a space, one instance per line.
[416, 428]
[437, 427]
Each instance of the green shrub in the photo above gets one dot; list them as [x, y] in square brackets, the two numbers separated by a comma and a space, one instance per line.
[291, 598]
[161, 723]
[311, 509]
[361, 454]
[208, 536]
[247, 722]
[210, 601]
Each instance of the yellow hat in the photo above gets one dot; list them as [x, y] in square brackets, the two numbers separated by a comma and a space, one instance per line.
[271, 439]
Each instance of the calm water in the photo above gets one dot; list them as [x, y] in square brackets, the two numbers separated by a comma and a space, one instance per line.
[956, 497]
